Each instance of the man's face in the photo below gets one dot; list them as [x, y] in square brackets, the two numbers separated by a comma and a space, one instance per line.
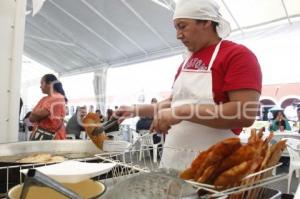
[82, 112]
[192, 33]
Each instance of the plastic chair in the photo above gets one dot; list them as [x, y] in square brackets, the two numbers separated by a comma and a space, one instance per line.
[293, 147]
[146, 142]
[143, 132]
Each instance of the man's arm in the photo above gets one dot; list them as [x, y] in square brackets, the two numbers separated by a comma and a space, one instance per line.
[149, 110]
[240, 111]
[143, 110]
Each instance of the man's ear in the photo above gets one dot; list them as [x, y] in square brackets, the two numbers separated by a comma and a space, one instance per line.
[207, 24]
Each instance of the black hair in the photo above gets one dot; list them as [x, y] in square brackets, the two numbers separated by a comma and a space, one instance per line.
[57, 86]
[276, 114]
[27, 115]
[281, 123]
[214, 24]
[79, 108]
[21, 105]
[109, 113]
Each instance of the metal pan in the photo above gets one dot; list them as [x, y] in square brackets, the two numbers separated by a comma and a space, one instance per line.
[10, 153]
[71, 149]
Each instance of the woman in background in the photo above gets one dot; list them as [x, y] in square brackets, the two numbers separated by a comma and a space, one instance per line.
[48, 115]
[280, 123]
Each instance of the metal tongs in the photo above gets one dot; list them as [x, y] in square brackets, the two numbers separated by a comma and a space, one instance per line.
[37, 178]
[106, 125]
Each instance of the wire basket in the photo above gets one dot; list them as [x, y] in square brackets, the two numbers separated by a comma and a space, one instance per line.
[11, 175]
[133, 162]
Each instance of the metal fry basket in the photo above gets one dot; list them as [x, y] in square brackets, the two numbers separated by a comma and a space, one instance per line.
[134, 162]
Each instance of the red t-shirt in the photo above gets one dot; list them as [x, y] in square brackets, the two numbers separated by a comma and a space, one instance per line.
[234, 68]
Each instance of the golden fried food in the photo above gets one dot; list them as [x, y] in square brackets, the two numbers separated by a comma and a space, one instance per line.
[190, 172]
[218, 153]
[252, 138]
[90, 122]
[42, 158]
[237, 173]
[227, 163]
[208, 174]
[276, 151]
[244, 153]
[36, 158]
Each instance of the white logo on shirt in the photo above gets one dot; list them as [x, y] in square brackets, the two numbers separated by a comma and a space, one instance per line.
[196, 64]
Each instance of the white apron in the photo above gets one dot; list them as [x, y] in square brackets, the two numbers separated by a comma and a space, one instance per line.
[186, 139]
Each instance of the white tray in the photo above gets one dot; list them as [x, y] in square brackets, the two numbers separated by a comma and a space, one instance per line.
[74, 171]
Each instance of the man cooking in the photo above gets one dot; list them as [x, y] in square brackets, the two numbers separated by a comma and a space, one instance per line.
[216, 89]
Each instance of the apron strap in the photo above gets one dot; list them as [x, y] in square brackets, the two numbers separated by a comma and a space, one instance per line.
[188, 56]
[211, 62]
[214, 55]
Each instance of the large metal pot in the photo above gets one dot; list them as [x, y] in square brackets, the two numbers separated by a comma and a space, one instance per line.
[49, 146]
[10, 153]
[86, 189]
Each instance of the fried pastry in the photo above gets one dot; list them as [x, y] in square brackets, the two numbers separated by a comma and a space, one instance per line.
[219, 152]
[237, 173]
[208, 174]
[227, 163]
[190, 172]
[90, 122]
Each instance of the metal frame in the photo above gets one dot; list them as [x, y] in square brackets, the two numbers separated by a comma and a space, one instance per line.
[55, 65]
[75, 42]
[99, 14]
[232, 16]
[55, 42]
[134, 60]
[27, 166]
[123, 54]
[131, 165]
[163, 5]
[50, 40]
[146, 23]
[286, 12]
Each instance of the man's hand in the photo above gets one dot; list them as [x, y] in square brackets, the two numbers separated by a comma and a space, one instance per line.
[124, 112]
[163, 120]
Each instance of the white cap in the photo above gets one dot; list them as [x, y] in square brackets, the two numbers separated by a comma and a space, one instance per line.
[202, 10]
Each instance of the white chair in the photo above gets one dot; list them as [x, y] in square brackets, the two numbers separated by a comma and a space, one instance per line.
[285, 135]
[143, 132]
[293, 147]
[147, 143]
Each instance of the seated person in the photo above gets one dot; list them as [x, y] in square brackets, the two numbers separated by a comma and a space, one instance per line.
[28, 124]
[109, 114]
[280, 123]
[98, 112]
[74, 124]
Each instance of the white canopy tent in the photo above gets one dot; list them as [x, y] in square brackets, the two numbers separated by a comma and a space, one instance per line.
[78, 36]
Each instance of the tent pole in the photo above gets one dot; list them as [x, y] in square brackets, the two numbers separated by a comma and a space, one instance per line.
[12, 21]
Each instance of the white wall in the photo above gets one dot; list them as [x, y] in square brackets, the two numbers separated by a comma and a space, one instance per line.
[12, 21]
